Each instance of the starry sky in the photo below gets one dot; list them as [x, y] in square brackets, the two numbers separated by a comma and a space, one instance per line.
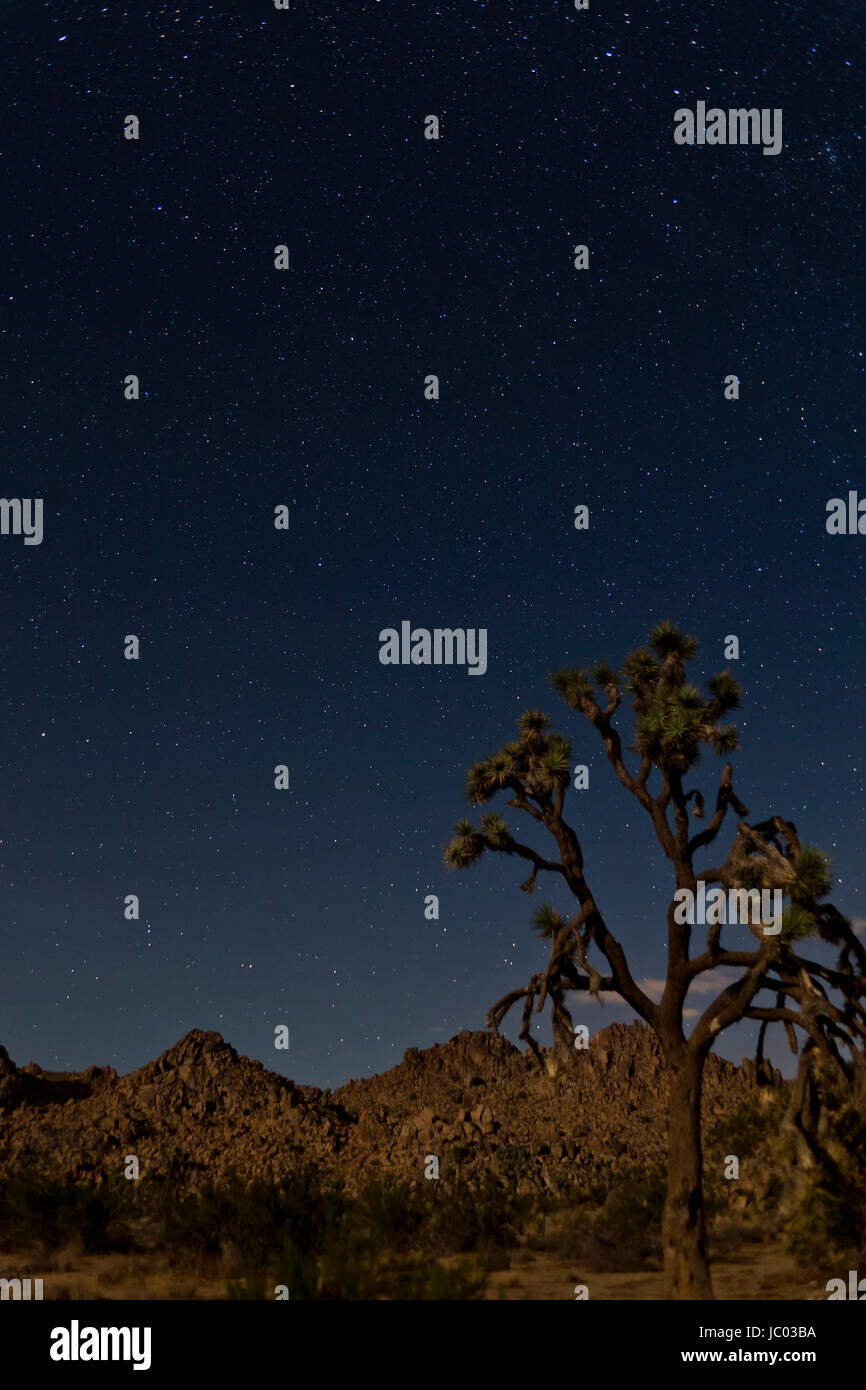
[305, 387]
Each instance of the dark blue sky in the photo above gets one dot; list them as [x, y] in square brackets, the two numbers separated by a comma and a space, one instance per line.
[305, 387]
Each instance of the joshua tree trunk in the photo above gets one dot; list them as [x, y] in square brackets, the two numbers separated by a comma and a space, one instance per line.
[563, 1037]
[687, 1272]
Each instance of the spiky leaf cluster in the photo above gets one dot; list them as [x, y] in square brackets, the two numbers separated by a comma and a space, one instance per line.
[797, 923]
[533, 765]
[576, 689]
[642, 670]
[496, 832]
[467, 846]
[547, 922]
[537, 762]
[813, 879]
[673, 718]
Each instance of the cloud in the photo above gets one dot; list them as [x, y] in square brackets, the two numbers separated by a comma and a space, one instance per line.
[858, 925]
[712, 981]
[708, 982]
[654, 988]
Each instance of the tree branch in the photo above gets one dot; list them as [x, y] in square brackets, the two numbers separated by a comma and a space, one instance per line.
[724, 798]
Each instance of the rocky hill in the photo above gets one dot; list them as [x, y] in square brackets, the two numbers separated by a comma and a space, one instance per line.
[476, 1102]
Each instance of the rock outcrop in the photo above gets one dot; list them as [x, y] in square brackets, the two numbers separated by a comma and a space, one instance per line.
[477, 1102]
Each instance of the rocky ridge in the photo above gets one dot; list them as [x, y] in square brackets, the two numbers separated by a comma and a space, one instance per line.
[477, 1102]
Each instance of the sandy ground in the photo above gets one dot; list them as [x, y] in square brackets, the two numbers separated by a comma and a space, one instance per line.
[758, 1272]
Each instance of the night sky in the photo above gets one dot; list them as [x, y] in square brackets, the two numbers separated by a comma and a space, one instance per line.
[305, 387]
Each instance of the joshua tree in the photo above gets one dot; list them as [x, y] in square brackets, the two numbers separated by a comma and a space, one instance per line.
[774, 982]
